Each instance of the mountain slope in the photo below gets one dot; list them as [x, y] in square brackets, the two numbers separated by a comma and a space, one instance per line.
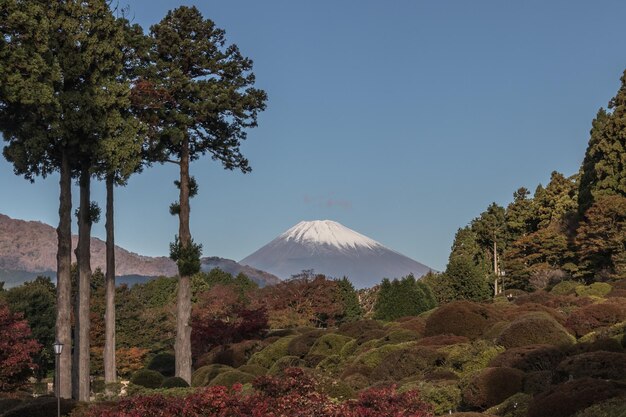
[334, 250]
[28, 248]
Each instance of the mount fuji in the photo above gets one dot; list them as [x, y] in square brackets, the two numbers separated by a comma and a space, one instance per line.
[334, 250]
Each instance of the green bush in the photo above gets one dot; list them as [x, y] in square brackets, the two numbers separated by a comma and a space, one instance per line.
[443, 395]
[400, 335]
[300, 345]
[330, 365]
[565, 288]
[615, 407]
[514, 406]
[255, 370]
[147, 378]
[329, 344]
[442, 340]
[461, 318]
[491, 386]
[230, 378]
[164, 363]
[271, 353]
[203, 375]
[286, 362]
[349, 348]
[597, 289]
[467, 358]
[534, 328]
[40, 407]
[174, 382]
[374, 357]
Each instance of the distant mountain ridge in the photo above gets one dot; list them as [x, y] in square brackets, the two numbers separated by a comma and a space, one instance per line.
[28, 248]
[332, 249]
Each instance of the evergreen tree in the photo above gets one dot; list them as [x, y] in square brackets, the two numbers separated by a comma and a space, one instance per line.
[403, 297]
[601, 238]
[199, 98]
[518, 215]
[556, 201]
[466, 280]
[603, 171]
[351, 307]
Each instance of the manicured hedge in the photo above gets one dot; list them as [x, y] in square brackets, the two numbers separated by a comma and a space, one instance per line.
[491, 386]
[602, 365]
[404, 363]
[164, 363]
[174, 382]
[147, 378]
[203, 375]
[595, 317]
[230, 378]
[461, 318]
[530, 358]
[534, 328]
[566, 399]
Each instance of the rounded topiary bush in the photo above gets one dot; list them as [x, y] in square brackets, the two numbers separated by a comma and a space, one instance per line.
[164, 363]
[467, 358]
[460, 318]
[271, 353]
[41, 407]
[415, 324]
[535, 307]
[514, 406]
[174, 382]
[530, 358]
[491, 386]
[565, 288]
[230, 378]
[597, 289]
[567, 399]
[330, 365]
[356, 328]
[595, 317]
[602, 365]
[538, 381]
[405, 363]
[286, 362]
[329, 344]
[615, 407]
[399, 335]
[442, 395]
[147, 378]
[442, 340]
[534, 328]
[300, 345]
[236, 354]
[203, 375]
[256, 370]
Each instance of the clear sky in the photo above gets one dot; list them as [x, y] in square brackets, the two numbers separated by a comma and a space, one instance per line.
[400, 119]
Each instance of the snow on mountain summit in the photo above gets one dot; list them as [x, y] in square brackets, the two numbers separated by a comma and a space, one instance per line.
[327, 232]
[334, 250]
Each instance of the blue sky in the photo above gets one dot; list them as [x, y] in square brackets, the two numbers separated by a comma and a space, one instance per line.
[400, 119]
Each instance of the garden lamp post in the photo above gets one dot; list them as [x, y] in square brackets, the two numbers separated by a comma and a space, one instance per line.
[58, 348]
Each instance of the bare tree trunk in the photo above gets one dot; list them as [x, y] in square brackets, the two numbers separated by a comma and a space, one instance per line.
[182, 345]
[82, 322]
[109, 314]
[64, 282]
[496, 272]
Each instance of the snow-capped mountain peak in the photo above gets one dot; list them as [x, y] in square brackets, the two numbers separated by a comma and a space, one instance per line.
[328, 232]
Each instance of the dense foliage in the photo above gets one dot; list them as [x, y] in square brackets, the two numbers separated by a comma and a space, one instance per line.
[17, 350]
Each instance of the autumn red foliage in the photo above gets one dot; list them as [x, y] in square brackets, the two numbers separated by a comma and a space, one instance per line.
[294, 394]
[17, 349]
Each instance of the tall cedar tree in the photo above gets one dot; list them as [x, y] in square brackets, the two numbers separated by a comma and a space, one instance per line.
[198, 98]
[120, 156]
[603, 171]
[33, 103]
[60, 97]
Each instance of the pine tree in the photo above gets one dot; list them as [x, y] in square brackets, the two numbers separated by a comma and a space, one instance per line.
[199, 98]
[603, 171]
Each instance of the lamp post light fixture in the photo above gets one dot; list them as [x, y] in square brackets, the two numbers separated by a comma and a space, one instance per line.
[58, 348]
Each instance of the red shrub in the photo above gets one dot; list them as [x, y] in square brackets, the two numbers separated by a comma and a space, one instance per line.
[602, 365]
[534, 328]
[553, 300]
[492, 386]
[534, 307]
[294, 394]
[17, 349]
[594, 317]
[461, 318]
[566, 399]
[530, 358]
